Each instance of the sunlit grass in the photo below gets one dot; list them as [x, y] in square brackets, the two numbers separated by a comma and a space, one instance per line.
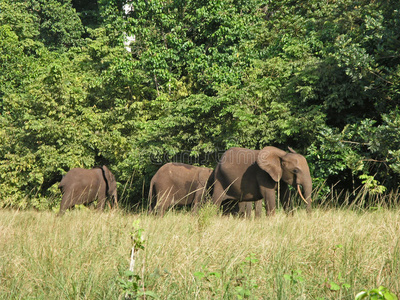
[83, 254]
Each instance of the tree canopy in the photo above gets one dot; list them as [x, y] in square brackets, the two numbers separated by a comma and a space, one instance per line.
[200, 77]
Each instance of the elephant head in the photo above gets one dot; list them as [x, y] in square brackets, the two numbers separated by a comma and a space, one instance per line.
[111, 184]
[290, 167]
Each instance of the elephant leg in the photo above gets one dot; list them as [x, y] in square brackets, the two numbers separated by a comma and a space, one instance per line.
[160, 206]
[249, 207]
[258, 208]
[152, 203]
[160, 209]
[66, 202]
[164, 200]
[269, 198]
[101, 203]
[218, 194]
[63, 207]
[243, 209]
[198, 198]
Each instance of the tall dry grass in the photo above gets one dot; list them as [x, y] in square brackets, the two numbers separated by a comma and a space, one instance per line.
[83, 254]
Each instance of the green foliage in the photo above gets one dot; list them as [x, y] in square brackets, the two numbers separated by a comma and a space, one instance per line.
[137, 236]
[295, 281]
[294, 278]
[54, 23]
[131, 284]
[371, 184]
[202, 76]
[207, 280]
[376, 294]
[239, 284]
[60, 26]
[205, 215]
[339, 284]
[245, 285]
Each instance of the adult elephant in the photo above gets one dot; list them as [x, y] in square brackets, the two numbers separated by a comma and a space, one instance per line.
[177, 184]
[251, 175]
[82, 186]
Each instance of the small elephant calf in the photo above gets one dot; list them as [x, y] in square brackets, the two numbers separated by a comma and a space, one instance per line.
[82, 186]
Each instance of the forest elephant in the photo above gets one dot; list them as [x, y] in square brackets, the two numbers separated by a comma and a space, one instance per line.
[251, 175]
[82, 186]
[177, 184]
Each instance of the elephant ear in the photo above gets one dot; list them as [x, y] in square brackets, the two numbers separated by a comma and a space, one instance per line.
[269, 160]
[291, 150]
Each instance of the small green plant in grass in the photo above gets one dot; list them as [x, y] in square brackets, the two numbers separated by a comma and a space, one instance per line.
[205, 275]
[132, 284]
[205, 215]
[381, 293]
[81, 207]
[294, 277]
[244, 284]
[238, 285]
[296, 286]
[209, 280]
[340, 284]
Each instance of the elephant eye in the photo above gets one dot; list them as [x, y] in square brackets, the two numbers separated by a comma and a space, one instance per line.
[295, 170]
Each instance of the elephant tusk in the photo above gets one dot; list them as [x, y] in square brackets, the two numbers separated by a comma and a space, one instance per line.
[301, 195]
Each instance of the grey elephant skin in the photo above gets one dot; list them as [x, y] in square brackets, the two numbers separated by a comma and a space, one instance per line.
[83, 186]
[251, 175]
[177, 184]
[241, 209]
[246, 207]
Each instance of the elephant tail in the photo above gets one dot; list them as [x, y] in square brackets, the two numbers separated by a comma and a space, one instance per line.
[151, 200]
[209, 188]
[61, 184]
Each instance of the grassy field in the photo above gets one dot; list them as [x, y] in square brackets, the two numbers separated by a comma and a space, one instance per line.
[332, 254]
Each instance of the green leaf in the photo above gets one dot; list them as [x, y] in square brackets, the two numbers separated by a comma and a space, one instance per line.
[287, 277]
[361, 295]
[215, 274]
[334, 286]
[199, 275]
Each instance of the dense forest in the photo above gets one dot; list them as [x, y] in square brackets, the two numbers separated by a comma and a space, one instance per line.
[199, 77]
